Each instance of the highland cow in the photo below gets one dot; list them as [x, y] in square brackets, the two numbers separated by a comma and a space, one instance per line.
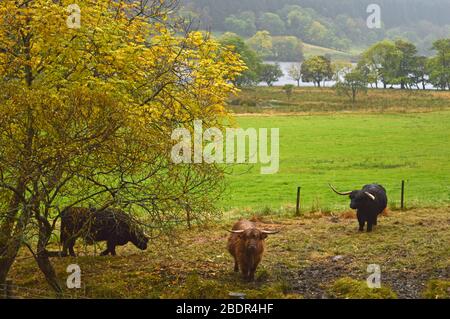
[110, 225]
[246, 245]
[369, 202]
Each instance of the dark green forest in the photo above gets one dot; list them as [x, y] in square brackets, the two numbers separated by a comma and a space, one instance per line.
[332, 24]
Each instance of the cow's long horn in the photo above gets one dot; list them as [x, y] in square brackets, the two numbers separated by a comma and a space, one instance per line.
[370, 195]
[236, 231]
[337, 192]
[270, 232]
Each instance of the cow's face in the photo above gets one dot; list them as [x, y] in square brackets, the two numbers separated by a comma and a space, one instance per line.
[359, 199]
[140, 240]
[252, 239]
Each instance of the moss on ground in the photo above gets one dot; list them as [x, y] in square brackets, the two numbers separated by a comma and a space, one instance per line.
[437, 289]
[348, 288]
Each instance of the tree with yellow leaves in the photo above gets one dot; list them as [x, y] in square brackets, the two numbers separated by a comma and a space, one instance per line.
[87, 107]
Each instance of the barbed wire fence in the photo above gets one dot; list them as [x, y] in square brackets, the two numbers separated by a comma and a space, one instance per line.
[403, 194]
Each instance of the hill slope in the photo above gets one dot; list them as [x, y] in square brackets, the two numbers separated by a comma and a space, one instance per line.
[310, 50]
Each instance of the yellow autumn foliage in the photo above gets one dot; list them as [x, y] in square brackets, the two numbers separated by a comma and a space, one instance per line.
[87, 110]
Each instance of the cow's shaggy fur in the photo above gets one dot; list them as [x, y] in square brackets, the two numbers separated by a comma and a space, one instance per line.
[110, 225]
[247, 248]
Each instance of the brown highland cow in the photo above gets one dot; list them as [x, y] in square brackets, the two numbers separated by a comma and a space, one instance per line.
[246, 245]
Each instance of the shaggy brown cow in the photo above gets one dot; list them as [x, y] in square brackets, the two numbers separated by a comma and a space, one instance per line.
[246, 245]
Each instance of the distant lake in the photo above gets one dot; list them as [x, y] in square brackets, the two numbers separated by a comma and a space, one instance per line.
[285, 79]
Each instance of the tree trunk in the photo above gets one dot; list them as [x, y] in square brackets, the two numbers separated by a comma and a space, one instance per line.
[13, 209]
[9, 253]
[10, 239]
[49, 272]
[44, 262]
[11, 232]
[8, 257]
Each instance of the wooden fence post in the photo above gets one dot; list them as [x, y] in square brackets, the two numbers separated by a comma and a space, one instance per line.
[188, 217]
[297, 209]
[402, 205]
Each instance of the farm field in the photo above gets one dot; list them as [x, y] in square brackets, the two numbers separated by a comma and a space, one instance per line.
[312, 50]
[274, 100]
[348, 150]
[231, 150]
[316, 255]
[320, 253]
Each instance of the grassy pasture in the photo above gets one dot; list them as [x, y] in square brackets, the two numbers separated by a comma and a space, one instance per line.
[310, 50]
[386, 137]
[273, 100]
[314, 256]
[348, 150]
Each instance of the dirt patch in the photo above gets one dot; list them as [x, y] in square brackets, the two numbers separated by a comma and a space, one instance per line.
[411, 284]
[312, 281]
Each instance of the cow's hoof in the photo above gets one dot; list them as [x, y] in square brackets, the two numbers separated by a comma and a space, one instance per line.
[249, 279]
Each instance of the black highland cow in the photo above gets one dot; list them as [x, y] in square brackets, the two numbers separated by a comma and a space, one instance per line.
[369, 202]
[110, 225]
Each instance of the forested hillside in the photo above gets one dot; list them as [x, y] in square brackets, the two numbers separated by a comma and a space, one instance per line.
[334, 24]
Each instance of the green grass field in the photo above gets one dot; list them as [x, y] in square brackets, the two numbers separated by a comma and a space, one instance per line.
[348, 150]
[310, 50]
